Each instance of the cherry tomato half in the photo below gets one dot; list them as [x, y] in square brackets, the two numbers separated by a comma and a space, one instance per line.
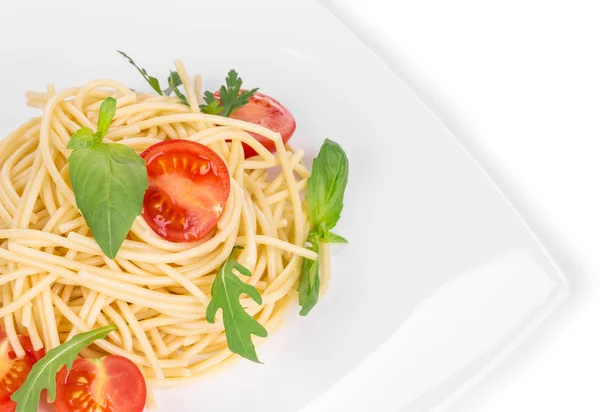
[268, 112]
[110, 384]
[14, 371]
[188, 185]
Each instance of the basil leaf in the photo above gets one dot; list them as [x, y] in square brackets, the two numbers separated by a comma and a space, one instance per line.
[309, 283]
[325, 198]
[82, 138]
[331, 237]
[108, 109]
[109, 181]
[326, 186]
[43, 373]
[239, 325]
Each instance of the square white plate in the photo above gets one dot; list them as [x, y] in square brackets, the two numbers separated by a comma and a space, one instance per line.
[441, 278]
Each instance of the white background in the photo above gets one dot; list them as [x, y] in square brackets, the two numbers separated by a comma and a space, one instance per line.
[518, 81]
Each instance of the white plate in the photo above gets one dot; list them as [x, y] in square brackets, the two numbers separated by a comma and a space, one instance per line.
[441, 277]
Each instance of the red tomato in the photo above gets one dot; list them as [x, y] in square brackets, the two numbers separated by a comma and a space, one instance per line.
[188, 185]
[268, 112]
[14, 371]
[110, 384]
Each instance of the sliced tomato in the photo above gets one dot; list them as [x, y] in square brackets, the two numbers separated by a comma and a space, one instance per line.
[110, 384]
[188, 185]
[268, 112]
[14, 371]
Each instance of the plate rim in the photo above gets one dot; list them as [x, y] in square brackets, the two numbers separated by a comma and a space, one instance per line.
[562, 287]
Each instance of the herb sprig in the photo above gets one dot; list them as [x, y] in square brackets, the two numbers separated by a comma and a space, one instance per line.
[229, 98]
[109, 181]
[174, 80]
[239, 325]
[325, 198]
[43, 374]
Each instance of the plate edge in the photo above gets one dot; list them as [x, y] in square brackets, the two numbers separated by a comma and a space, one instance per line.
[562, 288]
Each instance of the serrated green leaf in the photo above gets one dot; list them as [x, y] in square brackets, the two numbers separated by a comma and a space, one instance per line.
[231, 97]
[242, 100]
[210, 98]
[81, 139]
[43, 374]
[109, 181]
[152, 81]
[213, 107]
[108, 108]
[239, 325]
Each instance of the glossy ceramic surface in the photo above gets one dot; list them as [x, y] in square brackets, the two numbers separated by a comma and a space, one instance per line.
[441, 277]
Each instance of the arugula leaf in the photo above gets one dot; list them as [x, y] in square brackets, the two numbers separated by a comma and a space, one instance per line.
[326, 186]
[42, 375]
[152, 81]
[230, 97]
[109, 181]
[325, 197]
[310, 283]
[239, 325]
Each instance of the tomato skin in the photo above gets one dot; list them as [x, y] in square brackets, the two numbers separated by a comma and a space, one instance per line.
[14, 371]
[188, 186]
[7, 406]
[268, 112]
[111, 384]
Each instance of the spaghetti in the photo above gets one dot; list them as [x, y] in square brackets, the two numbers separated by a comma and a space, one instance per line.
[56, 282]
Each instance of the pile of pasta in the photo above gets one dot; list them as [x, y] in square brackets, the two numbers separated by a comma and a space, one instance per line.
[55, 281]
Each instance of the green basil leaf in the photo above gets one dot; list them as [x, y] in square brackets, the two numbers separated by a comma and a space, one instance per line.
[331, 237]
[239, 325]
[108, 109]
[43, 374]
[109, 181]
[325, 199]
[309, 283]
[326, 186]
[82, 138]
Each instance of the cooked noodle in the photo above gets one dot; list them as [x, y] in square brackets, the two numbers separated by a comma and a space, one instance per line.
[54, 279]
